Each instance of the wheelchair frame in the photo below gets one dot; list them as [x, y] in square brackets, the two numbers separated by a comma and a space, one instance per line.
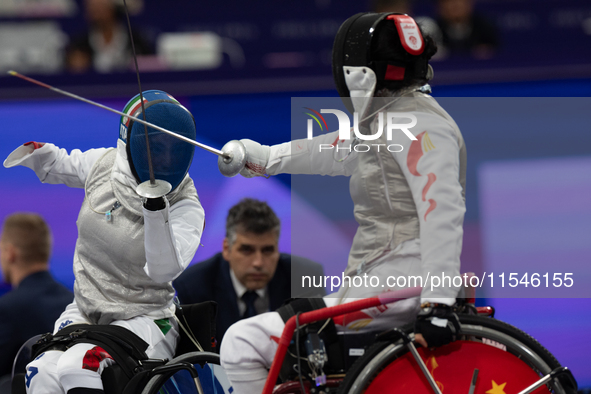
[387, 348]
[186, 362]
[200, 321]
[403, 342]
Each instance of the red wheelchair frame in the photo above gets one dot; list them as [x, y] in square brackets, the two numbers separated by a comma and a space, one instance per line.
[561, 374]
[325, 313]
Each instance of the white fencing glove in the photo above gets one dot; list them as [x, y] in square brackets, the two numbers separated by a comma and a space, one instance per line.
[257, 158]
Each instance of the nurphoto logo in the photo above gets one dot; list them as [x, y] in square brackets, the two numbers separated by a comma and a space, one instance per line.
[390, 124]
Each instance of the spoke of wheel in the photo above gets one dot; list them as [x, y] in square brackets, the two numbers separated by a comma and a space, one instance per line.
[473, 383]
[419, 360]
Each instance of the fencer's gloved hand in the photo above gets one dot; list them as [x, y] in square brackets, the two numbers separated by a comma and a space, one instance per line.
[154, 204]
[438, 324]
[256, 160]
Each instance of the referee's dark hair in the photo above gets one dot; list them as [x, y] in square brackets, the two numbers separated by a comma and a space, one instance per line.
[251, 216]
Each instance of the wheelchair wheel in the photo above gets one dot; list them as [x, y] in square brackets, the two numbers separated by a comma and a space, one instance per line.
[507, 359]
[181, 381]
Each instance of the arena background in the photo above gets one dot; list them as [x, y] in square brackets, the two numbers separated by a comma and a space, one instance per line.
[527, 192]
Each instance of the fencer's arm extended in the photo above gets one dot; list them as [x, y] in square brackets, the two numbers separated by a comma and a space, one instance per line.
[54, 165]
[305, 156]
[431, 167]
[172, 236]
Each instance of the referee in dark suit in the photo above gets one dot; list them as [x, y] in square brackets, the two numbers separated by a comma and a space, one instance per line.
[250, 275]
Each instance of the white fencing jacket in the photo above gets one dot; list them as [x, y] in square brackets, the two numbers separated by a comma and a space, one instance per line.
[124, 266]
[402, 197]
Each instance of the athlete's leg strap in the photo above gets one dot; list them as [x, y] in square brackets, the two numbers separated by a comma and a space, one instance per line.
[125, 347]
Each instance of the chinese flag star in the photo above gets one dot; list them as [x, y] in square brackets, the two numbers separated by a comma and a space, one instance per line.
[496, 388]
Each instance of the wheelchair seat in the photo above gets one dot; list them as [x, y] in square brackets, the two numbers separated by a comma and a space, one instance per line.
[200, 319]
[199, 322]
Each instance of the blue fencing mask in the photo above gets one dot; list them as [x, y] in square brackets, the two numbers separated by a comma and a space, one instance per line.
[171, 157]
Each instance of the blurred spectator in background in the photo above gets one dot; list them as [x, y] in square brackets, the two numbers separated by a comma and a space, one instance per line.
[250, 276]
[400, 6]
[463, 32]
[36, 300]
[105, 47]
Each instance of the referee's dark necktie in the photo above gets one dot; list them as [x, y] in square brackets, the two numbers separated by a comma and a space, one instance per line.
[249, 299]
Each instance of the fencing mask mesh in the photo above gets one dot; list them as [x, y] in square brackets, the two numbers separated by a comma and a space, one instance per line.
[171, 157]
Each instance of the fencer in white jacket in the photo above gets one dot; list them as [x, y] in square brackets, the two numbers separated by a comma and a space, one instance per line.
[125, 259]
[409, 205]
